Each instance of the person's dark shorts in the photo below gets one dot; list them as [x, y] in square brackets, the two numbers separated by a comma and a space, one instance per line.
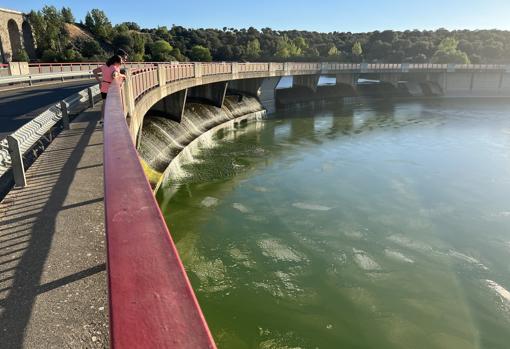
[103, 95]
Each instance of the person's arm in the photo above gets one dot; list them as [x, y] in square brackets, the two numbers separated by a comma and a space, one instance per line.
[96, 73]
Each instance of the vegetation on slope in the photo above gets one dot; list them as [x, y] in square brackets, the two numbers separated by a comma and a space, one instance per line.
[59, 38]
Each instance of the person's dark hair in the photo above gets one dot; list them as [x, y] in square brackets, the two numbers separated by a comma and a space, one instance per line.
[113, 60]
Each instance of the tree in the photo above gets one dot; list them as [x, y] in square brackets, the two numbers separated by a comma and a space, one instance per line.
[333, 52]
[357, 50]
[99, 24]
[253, 49]
[124, 41]
[20, 56]
[200, 54]
[90, 48]
[68, 15]
[161, 51]
[448, 52]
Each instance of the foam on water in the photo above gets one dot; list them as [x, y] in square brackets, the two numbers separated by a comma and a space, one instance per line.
[311, 207]
[240, 207]
[500, 290]
[354, 234]
[467, 258]
[278, 251]
[209, 201]
[404, 241]
[397, 256]
[364, 261]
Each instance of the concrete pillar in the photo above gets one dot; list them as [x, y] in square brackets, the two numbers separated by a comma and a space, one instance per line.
[308, 81]
[346, 78]
[171, 107]
[250, 87]
[235, 70]
[198, 70]
[212, 93]
[161, 75]
[267, 93]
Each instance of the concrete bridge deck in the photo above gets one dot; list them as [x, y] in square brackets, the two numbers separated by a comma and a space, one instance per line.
[53, 287]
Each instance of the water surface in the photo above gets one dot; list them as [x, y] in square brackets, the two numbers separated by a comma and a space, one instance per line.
[373, 225]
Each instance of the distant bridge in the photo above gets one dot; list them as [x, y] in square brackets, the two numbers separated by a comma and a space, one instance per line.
[165, 87]
[15, 35]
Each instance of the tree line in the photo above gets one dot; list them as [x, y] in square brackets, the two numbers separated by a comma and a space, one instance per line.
[54, 43]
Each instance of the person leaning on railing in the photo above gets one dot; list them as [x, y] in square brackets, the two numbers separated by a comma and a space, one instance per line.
[105, 75]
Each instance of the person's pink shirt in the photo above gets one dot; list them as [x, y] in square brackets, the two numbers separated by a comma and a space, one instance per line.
[107, 72]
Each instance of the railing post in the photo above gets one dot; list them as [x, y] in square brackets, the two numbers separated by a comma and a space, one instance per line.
[272, 69]
[235, 70]
[65, 114]
[405, 68]
[197, 67]
[18, 169]
[286, 68]
[129, 98]
[91, 97]
[161, 75]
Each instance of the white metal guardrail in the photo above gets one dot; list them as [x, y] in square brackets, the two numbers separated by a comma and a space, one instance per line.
[30, 79]
[38, 131]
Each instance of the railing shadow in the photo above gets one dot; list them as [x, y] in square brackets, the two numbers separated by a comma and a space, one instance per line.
[16, 307]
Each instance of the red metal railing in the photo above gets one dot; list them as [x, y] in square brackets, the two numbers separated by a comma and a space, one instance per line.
[152, 304]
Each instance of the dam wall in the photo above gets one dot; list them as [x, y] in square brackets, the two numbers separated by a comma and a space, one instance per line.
[163, 138]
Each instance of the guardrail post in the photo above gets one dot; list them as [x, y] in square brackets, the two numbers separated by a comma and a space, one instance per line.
[197, 69]
[91, 97]
[18, 169]
[65, 114]
[404, 67]
[450, 68]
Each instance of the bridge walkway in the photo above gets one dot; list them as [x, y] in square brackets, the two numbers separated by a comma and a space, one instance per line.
[53, 286]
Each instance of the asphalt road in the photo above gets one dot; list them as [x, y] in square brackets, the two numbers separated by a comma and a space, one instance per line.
[17, 107]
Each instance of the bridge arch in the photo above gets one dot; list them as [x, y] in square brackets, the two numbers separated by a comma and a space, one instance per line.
[28, 39]
[14, 37]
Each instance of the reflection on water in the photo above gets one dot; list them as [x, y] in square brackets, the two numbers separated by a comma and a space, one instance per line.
[364, 226]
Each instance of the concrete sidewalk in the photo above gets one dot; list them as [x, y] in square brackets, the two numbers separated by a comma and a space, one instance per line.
[53, 290]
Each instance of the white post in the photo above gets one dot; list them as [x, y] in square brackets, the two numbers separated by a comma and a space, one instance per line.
[18, 169]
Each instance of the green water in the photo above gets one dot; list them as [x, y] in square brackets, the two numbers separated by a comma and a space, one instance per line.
[365, 226]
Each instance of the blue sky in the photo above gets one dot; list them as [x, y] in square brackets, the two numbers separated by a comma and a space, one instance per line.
[322, 15]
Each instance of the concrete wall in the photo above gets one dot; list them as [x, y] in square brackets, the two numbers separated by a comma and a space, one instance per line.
[15, 34]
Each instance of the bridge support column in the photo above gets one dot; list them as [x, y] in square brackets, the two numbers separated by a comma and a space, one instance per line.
[267, 93]
[212, 93]
[171, 107]
[250, 87]
[308, 81]
[346, 78]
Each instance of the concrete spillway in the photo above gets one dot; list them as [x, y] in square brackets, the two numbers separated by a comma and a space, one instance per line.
[163, 139]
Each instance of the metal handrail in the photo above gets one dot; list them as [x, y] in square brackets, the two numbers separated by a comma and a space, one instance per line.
[152, 304]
